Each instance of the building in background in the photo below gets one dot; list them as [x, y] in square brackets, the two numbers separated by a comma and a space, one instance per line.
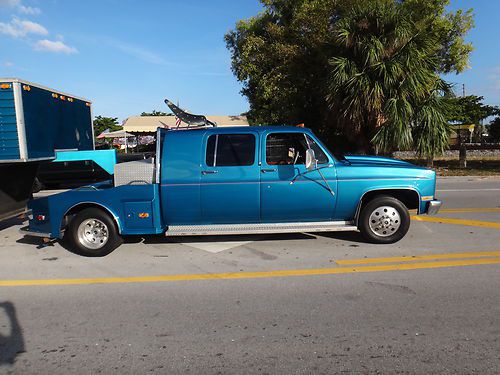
[142, 125]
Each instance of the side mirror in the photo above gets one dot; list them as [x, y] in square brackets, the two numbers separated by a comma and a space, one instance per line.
[311, 162]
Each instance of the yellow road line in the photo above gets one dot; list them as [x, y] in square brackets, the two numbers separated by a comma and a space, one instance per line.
[411, 258]
[252, 275]
[470, 223]
[464, 210]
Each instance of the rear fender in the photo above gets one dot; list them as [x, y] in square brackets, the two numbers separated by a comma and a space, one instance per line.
[73, 210]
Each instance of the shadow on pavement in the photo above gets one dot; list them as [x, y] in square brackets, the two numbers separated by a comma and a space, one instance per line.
[6, 224]
[344, 236]
[36, 241]
[159, 239]
[13, 344]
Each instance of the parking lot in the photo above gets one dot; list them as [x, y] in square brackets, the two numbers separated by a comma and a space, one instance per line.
[301, 303]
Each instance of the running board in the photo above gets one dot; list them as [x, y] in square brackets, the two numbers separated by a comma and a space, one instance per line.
[228, 229]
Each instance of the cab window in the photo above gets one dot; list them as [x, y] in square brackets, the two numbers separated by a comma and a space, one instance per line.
[230, 150]
[290, 149]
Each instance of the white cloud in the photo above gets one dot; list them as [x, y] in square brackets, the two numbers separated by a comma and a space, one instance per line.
[8, 64]
[139, 52]
[10, 3]
[33, 11]
[20, 7]
[20, 28]
[54, 46]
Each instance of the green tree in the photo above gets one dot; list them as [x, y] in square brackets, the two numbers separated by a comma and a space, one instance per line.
[280, 59]
[470, 110]
[103, 123]
[156, 113]
[283, 57]
[385, 68]
[385, 84]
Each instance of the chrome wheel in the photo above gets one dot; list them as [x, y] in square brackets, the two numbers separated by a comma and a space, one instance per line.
[384, 221]
[93, 234]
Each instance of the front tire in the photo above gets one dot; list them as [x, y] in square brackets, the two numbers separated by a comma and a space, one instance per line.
[384, 220]
[93, 233]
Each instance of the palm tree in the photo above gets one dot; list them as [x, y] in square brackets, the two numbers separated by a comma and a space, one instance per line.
[383, 84]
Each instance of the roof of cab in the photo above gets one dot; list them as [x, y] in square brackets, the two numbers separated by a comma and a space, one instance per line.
[244, 129]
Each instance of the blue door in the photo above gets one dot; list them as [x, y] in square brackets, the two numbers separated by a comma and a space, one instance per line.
[230, 179]
[289, 193]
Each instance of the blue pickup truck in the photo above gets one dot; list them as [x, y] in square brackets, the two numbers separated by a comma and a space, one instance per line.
[239, 180]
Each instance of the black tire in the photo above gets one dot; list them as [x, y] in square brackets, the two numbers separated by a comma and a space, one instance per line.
[384, 220]
[37, 186]
[78, 236]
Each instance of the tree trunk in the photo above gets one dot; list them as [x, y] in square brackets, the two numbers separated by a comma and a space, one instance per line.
[430, 161]
[463, 156]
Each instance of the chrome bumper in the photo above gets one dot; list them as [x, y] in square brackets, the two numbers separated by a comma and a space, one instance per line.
[27, 232]
[434, 207]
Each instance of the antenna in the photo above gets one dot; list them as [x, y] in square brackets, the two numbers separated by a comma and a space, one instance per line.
[188, 118]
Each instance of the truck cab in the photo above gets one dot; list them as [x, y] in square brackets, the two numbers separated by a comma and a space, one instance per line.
[240, 180]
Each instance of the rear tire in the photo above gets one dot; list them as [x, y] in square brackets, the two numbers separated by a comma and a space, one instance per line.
[384, 220]
[92, 233]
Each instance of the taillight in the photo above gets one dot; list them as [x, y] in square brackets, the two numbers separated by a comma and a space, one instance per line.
[40, 217]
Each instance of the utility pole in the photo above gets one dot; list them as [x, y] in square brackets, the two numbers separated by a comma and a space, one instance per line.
[462, 148]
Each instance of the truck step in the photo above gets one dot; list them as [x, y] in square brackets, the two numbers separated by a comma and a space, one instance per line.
[228, 229]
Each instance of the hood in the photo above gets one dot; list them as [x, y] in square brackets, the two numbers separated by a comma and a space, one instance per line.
[378, 161]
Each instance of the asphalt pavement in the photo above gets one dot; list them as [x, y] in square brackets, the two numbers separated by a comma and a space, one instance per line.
[270, 304]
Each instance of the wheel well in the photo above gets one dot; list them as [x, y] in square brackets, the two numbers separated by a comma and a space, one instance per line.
[80, 207]
[408, 197]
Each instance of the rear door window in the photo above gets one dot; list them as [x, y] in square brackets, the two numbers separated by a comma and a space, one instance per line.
[230, 150]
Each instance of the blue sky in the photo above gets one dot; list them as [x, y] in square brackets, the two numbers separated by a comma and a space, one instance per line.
[128, 55]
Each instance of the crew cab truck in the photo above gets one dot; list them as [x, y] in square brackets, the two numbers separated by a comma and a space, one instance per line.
[245, 180]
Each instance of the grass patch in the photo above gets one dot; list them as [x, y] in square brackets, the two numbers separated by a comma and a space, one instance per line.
[475, 167]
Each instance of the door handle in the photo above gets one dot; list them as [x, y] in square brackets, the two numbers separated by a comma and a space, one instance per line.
[268, 170]
[209, 172]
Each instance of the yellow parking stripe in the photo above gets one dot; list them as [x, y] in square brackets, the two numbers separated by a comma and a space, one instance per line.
[465, 210]
[253, 275]
[413, 258]
[471, 223]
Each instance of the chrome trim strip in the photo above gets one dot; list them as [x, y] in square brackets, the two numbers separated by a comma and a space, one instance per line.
[25, 160]
[288, 182]
[91, 122]
[21, 128]
[158, 155]
[215, 150]
[383, 179]
[244, 183]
